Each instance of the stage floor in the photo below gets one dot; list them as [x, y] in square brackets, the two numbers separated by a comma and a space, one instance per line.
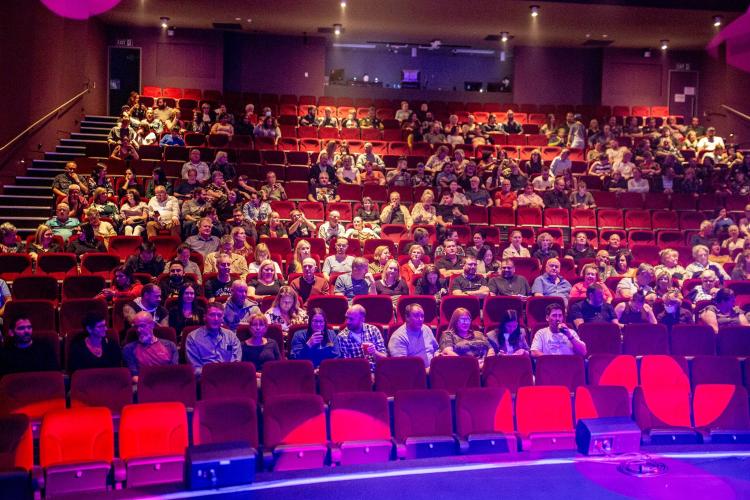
[689, 474]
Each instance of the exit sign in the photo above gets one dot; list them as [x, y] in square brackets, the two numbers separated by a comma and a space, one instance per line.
[124, 42]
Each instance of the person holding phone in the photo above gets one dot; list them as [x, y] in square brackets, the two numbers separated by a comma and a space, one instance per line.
[557, 338]
[317, 342]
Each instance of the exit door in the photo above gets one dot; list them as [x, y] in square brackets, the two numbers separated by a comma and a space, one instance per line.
[683, 93]
[124, 76]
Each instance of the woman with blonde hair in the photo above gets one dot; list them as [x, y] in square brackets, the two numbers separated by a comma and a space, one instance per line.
[415, 265]
[101, 227]
[44, 242]
[240, 246]
[460, 339]
[669, 259]
[285, 310]
[380, 257]
[262, 253]
[390, 283]
[425, 212]
[267, 282]
[301, 252]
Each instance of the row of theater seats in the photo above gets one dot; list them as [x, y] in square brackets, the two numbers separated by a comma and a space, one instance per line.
[77, 444]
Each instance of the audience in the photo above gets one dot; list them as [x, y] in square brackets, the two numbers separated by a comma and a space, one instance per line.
[212, 343]
[147, 349]
[360, 339]
[317, 342]
[556, 338]
[414, 338]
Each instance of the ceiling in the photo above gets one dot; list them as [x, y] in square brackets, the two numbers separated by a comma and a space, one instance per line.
[560, 24]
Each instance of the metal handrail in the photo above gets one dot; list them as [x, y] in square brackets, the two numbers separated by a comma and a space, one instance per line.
[45, 117]
[736, 112]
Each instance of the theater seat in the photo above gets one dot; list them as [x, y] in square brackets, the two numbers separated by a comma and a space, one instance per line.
[721, 413]
[153, 438]
[664, 371]
[601, 401]
[451, 373]
[663, 414]
[226, 420]
[167, 383]
[229, 380]
[33, 394]
[507, 372]
[613, 370]
[423, 424]
[76, 450]
[286, 377]
[294, 432]
[567, 370]
[397, 374]
[716, 370]
[108, 387]
[16, 443]
[360, 428]
[344, 375]
[544, 417]
[484, 420]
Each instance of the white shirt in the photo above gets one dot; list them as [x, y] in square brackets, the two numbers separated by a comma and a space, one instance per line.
[168, 210]
[553, 343]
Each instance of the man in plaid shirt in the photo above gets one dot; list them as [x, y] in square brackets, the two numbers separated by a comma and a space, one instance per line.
[359, 339]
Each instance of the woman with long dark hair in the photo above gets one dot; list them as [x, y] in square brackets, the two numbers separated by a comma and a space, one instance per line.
[317, 342]
[185, 311]
[509, 337]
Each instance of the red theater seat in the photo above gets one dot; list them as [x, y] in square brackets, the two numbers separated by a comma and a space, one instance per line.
[108, 387]
[721, 413]
[566, 370]
[76, 450]
[360, 428]
[613, 370]
[32, 393]
[16, 443]
[344, 375]
[507, 372]
[732, 341]
[663, 414]
[285, 377]
[335, 307]
[664, 371]
[601, 402]
[484, 420]
[397, 374]
[544, 417]
[495, 308]
[640, 339]
[450, 303]
[716, 370]
[692, 340]
[423, 424]
[226, 420]
[600, 338]
[167, 383]
[229, 380]
[153, 439]
[294, 432]
[451, 373]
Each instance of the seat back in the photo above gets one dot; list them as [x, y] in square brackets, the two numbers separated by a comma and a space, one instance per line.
[284, 377]
[659, 407]
[483, 410]
[567, 370]
[450, 303]
[721, 406]
[421, 413]
[397, 374]
[600, 338]
[543, 409]
[16, 443]
[226, 420]
[294, 419]
[167, 383]
[428, 303]
[601, 401]
[613, 369]
[379, 308]
[153, 430]
[32, 393]
[536, 309]
[108, 387]
[86, 286]
[359, 416]
[334, 306]
[495, 307]
[229, 380]
[73, 311]
[733, 341]
[716, 370]
[344, 375]
[451, 373]
[640, 339]
[692, 340]
[77, 435]
[507, 372]
[43, 312]
[34, 287]
[659, 370]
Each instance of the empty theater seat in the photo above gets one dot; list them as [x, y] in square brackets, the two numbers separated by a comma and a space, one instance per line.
[344, 375]
[294, 432]
[423, 424]
[663, 414]
[360, 428]
[544, 417]
[601, 401]
[224, 420]
[452, 373]
[229, 380]
[484, 420]
[721, 413]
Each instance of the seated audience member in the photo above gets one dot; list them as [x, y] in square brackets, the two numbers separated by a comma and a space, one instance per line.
[545, 249]
[62, 224]
[414, 338]
[256, 210]
[414, 266]
[359, 231]
[674, 313]
[219, 287]
[707, 289]
[147, 350]
[505, 197]
[331, 229]
[431, 283]
[509, 338]
[262, 254]
[149, 301]
[238, 263]
[622, 264]
[390, 284]
[9, 240]
[593, 309]
[204, 242]
[470, 282]
[723, 312]
[581, 197]
[44, 242]
[542, 183]
[741, 270]
[339, 262]
[164, 212]
[487, 263]
[734, 239]
[614, 245]
[299, 226]
[529, 198]
[173, 138]
[85, 241]
[360, 339]
[644, 277]
[272, 190]
[239, 307]
[604, 265]
[93, 349]
[509, 283]
[323, 190]
[285, 310]
[267, 282]
[451, 233]
[590, 276]
[450, 263]
[62, 182]
[557, 338]
[309, 284]
[310, 119]
[516, 247]
[551, 283]
[478, 195]
[635, 311]
[200, 166]
[557, 197]
[20, 353]
[460, 339]
[581, 249]
[317, 342]
[396, 213]
[704, 236]
[185, 311]
[358, 281]
[701, 263]
[478, 241]
[258, 349]
[211, 343]
[669, 259]
[170, 287]
[123, 286]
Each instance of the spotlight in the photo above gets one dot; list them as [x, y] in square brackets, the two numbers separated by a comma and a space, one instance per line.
[717, 21]
[337, 29]
[164, 22]
[664, 44]
[343, 4]
[504, 36]
[534, 10]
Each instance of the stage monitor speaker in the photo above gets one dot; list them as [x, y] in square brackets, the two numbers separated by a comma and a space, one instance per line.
[210, 466]
[607, 436]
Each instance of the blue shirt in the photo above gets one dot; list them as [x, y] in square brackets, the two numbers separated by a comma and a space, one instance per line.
[202, 348]
[64, 229]
[545, 285]
[351, 288]
[170, 140]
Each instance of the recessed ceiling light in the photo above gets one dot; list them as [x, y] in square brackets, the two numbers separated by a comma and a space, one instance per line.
[238, 19]
[718, 20]
[605, 36]
[343, 4]
[534, 10]
[664, 44]
[588, 35]
[337, 29]
[504, 36]
[164, 22]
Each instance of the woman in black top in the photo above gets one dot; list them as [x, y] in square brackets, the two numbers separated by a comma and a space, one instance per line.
[431, 283]
[93, 349]
[258, 349]
[317, 342]
[185, 311]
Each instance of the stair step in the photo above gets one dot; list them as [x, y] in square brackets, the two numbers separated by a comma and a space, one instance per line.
[43, 172]
[20, 211]
[97, 125]
[52, 155]
[101, 118]
[16, 199]
[26, 191]
[68, 148]
[99, 132]
[34, 181]
[49, 163]
[88, 137]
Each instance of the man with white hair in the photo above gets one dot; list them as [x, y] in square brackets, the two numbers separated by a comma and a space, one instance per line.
[331, 228]
[369, 155]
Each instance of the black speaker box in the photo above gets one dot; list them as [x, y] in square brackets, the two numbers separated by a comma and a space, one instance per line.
[210, 466]
[607, 436]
